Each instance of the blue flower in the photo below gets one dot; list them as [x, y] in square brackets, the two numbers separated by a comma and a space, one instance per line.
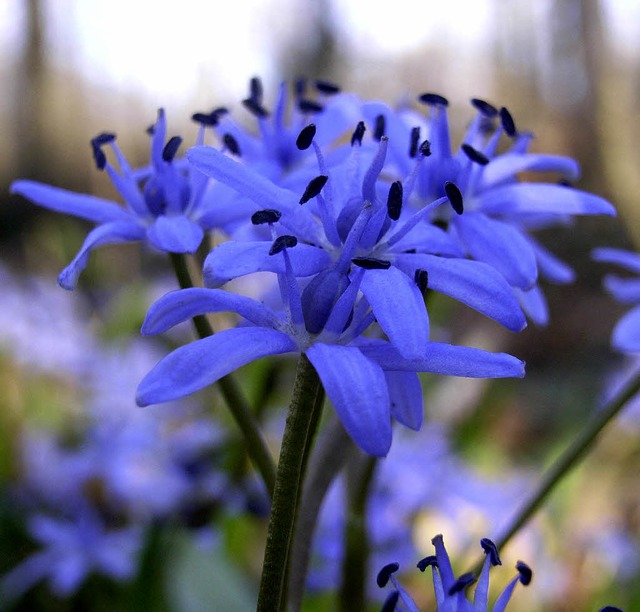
[368, 380]
[626, 335]
[449, 591]
[166, 204]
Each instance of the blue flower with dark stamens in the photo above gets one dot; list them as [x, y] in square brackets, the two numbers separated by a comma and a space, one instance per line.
[166, 203]
[368, 380]
[450, 592]
[626, 335]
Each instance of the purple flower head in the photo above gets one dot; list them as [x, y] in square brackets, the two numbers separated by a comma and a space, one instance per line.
[368, 380]
[626, 335]
[450, 591]
[166, 203]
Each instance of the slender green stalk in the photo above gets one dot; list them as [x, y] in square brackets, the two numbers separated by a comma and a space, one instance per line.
[241, 411]
[354, 566]
[570, 458]
[298, 432]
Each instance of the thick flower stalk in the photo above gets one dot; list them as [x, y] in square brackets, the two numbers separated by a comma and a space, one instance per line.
[167, 204]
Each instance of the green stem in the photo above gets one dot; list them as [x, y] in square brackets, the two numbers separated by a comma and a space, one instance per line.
[569, 458]
[354, 565]
[241, 411]
[298, 433]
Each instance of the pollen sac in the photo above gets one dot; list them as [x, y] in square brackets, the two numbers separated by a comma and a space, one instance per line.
[462, 583]
[430, 561]
[432, 99]
[425, 148]
[209, 119]
[306, 136]
[474, 155]
[488, 110]
[455, 197]
[313, 188]
[320, 296]
[96, 146]
[525, 572]
[309, 106]
[378, 132]
[326, 87]
[491, 551]
[371, 263]
[508, 124]
[255, 108]
[171, 148]
[268, 215]
[232, 144]
[383, 575]
[255, 89]
[281, 243]
[421, 278]
[358, 133]
[394, 201]
[413, 141]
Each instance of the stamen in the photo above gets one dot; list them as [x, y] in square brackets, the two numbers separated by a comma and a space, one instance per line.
[313, 188]
[378, 132]
[425, 148]
[413, 141]
[255, 108]
[96, 145]
[305, 138]
[391, 602]
[455, 196]
[508, 124]
[209, 119]
[171, 148]
[374, 170]
[488, 110]
[491, 551]
[474, 155]
[299, 86]
[255, 89]
[102, 139]
[462, 583]
[281, 243]
[430, 561]
[371, 263]
[232, 144]
[526, 574]
[268, 215]
[326, 87]
[385, 573]
[433, 99]
[309, 106]
[421, 278]
[358, 133]
[394, 201]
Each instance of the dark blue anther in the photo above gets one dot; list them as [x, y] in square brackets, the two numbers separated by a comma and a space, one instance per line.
[430, 561]
[255, 89]
[326, 87]
[371, 263]
[433, 99]
[232, 144]
[526, 574]
[394, 201]
[358, 133]
[413, 141]
[306, 136]
[281, 243]
[390, 602]
[171, 148]
[610, 609]
[299, 86]
[96, 146]
[455, 196]
[255, 108]
[379, 129]
[268, 215]
[474, 155]
[309, 106]
[421, 278]
[508, 124]
[491, 550]
[488, 110]
[425, 148]
[383, 575]
[313, 188]
[462, 583]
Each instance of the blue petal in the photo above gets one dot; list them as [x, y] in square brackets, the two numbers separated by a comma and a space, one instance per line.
[405, 392]
[197, 365]
[534, 304]
[447, 359]
[178, 306]
[626, 335]
[541, 197]
[552, 268]
[626, 259]
[505, 167]
[471, 282]
[175, 234]
[501, 246]
[233, 259]
[70, 203]
[399, 307]
[358, 390]
[108, 233]
[427, 238]
[624, 290]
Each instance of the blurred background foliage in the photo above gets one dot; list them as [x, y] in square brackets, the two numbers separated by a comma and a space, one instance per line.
[567, 69]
